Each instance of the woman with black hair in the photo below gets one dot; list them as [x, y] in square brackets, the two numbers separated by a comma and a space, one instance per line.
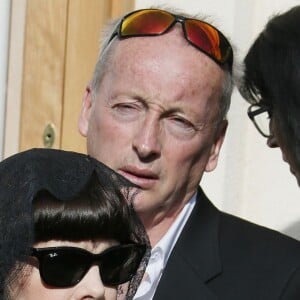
[67, 229]
[271, 84]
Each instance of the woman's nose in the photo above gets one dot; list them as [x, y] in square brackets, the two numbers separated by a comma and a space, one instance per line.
[272, 142]
[91, 286]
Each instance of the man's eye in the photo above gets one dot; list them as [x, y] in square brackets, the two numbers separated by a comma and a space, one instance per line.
[124, 106]
[180, 127]
[126, 111]
[182, 122]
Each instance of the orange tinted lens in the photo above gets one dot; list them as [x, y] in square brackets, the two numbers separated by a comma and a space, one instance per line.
[205, 37]
[146, 22]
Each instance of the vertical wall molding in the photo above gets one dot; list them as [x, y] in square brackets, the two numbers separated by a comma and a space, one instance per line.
[4, 33]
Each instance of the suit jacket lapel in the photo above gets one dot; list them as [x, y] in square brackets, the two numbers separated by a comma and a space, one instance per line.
[195, 258]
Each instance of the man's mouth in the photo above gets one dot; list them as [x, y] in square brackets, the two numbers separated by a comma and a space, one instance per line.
[144, 178]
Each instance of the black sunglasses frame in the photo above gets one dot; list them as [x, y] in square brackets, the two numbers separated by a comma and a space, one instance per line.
[180, 19]
[45, 255]
[253, 113]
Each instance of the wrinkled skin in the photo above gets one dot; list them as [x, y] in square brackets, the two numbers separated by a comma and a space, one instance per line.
[153, 120]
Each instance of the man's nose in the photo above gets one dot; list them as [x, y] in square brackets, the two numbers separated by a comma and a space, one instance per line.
[90, 287]
[147, 140]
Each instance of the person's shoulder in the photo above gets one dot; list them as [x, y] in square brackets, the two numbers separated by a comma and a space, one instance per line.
[257, 238]
[243, 238]
[261, 255]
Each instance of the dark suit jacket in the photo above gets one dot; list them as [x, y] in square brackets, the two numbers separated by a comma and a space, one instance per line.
[219, 256]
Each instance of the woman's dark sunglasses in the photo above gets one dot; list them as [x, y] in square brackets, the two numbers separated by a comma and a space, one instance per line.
[66, 266]
[152, 22]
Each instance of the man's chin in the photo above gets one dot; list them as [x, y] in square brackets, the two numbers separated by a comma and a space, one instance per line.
[138, 204]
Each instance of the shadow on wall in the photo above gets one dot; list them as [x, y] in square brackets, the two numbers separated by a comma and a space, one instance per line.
[293, 230]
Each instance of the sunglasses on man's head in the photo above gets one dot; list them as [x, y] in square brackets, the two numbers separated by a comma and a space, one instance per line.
[153, 22]
[66, 266]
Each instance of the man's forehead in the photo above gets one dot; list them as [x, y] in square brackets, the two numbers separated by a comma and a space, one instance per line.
[173, 42]
[173, 38]
[166, 63]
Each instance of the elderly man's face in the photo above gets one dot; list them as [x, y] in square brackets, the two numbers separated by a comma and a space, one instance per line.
[153, 120]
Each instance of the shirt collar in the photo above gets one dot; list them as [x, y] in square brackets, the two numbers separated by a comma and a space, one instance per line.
[167, 242]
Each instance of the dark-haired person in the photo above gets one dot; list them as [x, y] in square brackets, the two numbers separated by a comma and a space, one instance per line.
[66, 229]
[155, 112]
[271, 84]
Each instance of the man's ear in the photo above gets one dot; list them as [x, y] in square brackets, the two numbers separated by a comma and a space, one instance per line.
[83, 122]
[216, 147]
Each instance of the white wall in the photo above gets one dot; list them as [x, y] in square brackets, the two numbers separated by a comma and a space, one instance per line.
[4, 33]
[14, 77]
[251, 180]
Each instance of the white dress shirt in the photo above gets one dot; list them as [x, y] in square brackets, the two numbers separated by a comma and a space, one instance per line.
[161, 252]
